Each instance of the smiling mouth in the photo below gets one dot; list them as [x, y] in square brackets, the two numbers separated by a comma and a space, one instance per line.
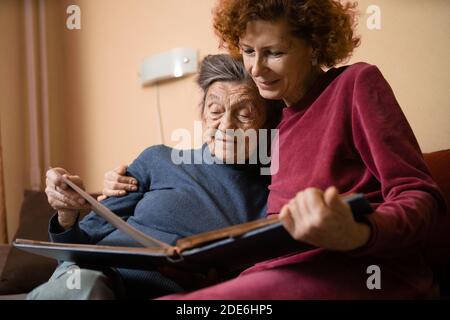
[267, 83]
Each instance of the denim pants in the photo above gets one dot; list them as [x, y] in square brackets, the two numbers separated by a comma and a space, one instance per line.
[70, 282]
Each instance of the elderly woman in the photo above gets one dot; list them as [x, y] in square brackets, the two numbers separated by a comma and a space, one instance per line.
[172, 200]
[342, 129]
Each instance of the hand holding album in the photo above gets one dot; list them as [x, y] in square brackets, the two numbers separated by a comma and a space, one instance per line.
[229, 248]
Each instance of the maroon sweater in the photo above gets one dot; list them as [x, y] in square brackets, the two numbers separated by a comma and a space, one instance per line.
[348, 132]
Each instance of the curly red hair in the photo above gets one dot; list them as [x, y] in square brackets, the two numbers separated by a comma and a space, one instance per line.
[327, 25]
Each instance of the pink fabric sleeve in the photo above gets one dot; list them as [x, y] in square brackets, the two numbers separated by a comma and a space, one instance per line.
[390, 151]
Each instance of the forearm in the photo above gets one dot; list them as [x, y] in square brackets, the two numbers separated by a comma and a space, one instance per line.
[401, 226]
[66, 219]
[410, 200]
[92, 228]
[66, 234]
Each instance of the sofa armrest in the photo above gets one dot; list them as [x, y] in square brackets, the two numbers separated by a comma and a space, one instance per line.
[4, 250]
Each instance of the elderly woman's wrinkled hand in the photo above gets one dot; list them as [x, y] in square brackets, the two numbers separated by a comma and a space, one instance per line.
[117, 184]
[62, 198]
[324, 220]
[60, 195]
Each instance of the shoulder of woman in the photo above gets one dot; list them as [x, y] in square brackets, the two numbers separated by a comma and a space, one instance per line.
[155, 151]
[142, 166]
[147, 158]
[362, 71]
[158, 154]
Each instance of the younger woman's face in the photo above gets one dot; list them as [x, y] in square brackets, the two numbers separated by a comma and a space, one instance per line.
[278, 62]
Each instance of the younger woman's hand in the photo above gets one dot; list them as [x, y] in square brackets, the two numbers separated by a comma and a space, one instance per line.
[117, 184]
[323, 219]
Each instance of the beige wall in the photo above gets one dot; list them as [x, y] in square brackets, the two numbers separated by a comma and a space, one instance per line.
[101, 116]
[108, 117]
[412, 50]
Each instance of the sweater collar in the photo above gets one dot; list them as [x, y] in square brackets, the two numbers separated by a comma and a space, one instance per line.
[315, 91]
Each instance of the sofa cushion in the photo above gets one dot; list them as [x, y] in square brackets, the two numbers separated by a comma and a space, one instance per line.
[439, 241]
[24, 271]
[438, 246]
[4, 250]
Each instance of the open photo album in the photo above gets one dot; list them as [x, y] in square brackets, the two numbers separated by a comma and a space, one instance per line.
[228, 248]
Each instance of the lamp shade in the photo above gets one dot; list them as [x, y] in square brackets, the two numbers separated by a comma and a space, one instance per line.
[174, 63]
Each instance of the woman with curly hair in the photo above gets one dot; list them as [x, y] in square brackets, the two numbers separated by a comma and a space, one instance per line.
[342, 129]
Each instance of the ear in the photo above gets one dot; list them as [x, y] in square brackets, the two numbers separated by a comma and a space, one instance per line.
[203, 120]
[312, 51]
[313, 57]
[202, 113]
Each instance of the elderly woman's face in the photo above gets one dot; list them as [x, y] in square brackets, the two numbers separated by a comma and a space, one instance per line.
[278, 62]
[232, 109]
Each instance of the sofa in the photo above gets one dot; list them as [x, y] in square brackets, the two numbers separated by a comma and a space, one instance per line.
[20, 272]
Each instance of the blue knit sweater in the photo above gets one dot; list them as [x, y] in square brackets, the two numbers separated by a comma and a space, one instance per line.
[176, 200]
